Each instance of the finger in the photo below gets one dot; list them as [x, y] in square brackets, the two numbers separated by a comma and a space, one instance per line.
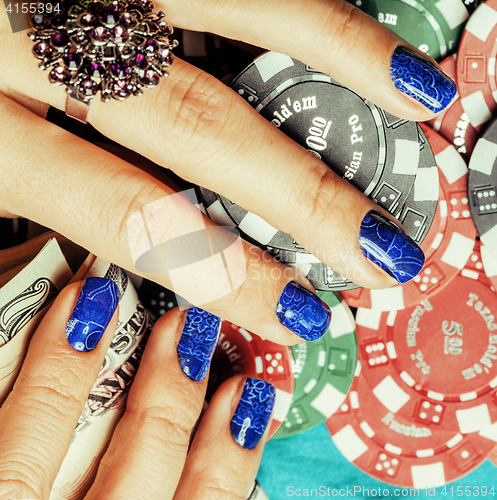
[226, 451]
[91, 204]
[331, 36]
[228, 148]
[147, 452]
[38, 418]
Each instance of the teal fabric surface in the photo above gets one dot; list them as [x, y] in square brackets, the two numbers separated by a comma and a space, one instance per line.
[311, 460]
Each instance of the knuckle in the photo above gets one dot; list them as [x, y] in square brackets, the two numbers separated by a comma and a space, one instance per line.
[52, 396]
[220, 492]
[214, 487]
[125, 193]
[14, 486]
[318, 198]
[169, 428]
[199, 106]
[342, 29]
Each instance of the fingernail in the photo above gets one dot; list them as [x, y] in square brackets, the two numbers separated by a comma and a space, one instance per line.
[198, 342]
[417, 77]
[390, 248]
[302, 312]
[253, 412]
[94, 309]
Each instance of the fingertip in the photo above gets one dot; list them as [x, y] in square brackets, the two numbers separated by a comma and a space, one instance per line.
[303, 312]
[418, 78]
[252, 414]
[95, 307]
[388, 247]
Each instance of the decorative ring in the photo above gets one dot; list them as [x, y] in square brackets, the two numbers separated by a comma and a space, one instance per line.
[117, 48]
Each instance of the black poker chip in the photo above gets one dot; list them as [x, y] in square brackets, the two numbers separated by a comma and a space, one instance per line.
[419, 210]
[482, 188]
[376, 151]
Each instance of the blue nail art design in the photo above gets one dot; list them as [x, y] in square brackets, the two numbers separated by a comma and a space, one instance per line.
[94, 309]
[198, 342]
[419, 78]
[253, 412]
[302, 312]
[385, 244]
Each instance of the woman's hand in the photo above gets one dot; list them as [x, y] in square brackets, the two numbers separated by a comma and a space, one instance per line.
[150, 454]
[196, 126]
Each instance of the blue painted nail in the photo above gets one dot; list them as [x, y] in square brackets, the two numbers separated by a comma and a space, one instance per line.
[198, 342]
[302, 312]
[253, 412]
[419, 78]
[94, 309]
[385, 244]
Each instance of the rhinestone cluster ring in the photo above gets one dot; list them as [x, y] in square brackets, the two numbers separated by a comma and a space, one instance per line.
[117, 48]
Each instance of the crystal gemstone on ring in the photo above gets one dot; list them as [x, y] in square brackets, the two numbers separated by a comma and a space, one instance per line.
[119, 34]
[140, 61]
[60, 40]
[87, 88]
[40, 21]
[117, 48]
[72, 61]
[60, 74]
[42, 49]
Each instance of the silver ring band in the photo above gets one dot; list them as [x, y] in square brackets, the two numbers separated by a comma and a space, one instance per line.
[77, 108]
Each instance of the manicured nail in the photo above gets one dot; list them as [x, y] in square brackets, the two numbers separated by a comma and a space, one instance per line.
[198, 342]
[253, 412]
[417, 77]
[390, 248]
[94, 309]
[302, 312]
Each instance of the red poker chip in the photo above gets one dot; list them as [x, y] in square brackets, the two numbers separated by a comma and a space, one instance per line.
[400, 450]
[453, 123]
[437, 362]
[240, 352]
[476, 65]
[448, 245]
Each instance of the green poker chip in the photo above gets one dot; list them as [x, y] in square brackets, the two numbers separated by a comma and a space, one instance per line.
[323, 370]
[434, 26]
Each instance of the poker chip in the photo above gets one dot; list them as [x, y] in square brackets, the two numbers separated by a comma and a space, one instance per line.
[476, 65]
[482, 179]
[435, 363]
[377, 152]
[419, 211]
[400, 451]
[323, 371]
[449, 243]
[453, 122]
[240, 352]
[434, 26]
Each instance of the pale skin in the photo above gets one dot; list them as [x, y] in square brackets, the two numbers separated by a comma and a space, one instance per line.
[197, 127]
